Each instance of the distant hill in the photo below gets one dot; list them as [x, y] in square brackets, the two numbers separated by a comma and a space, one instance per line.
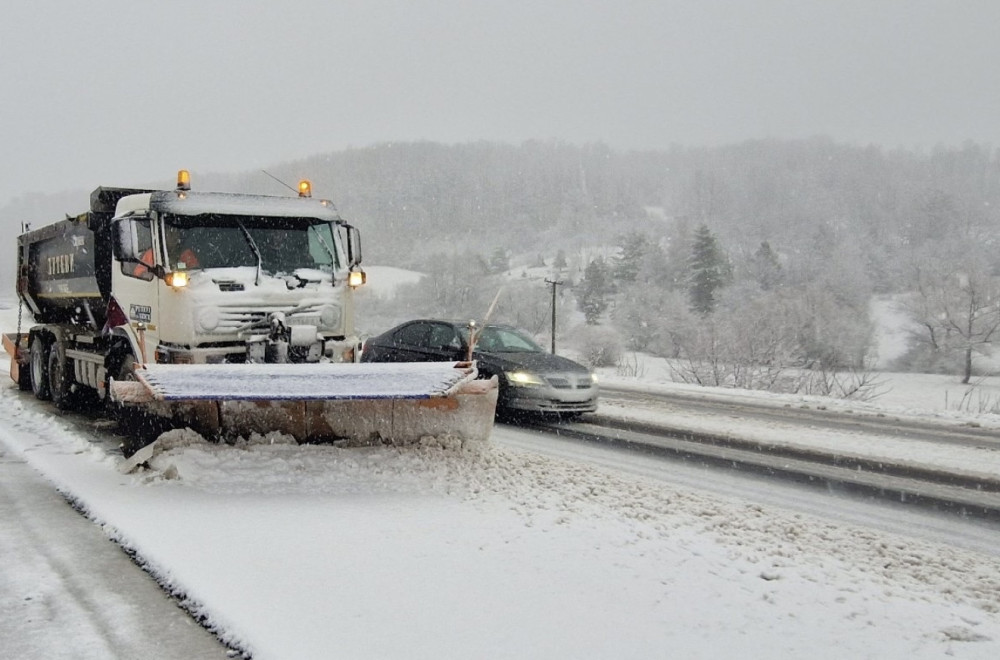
[815, 201]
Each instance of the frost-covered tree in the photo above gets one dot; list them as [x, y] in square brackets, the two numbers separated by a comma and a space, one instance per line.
[528, 305]
[454, 286]
[560, 261]
[765, 268]
[956, 306]
[629, 259]
[654, 320]
[499, 260]
[708, 271]
[670, 257]
[594, 289]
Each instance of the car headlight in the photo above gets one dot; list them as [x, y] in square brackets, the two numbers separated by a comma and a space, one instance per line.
[524, 379]
[593, 379]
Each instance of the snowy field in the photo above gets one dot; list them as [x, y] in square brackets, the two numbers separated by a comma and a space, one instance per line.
[502, 552]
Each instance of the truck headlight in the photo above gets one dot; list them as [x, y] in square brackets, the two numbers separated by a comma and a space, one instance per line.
[524, 379]
[177, 279]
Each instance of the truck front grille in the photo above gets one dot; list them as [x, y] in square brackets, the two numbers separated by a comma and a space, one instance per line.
[233, 320]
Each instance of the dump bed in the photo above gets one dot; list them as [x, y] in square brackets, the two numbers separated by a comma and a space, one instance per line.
[58, 273]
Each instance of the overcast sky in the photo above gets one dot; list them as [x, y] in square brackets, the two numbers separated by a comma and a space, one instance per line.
[124, 92]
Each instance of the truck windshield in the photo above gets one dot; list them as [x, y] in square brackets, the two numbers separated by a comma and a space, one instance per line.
[219, 241]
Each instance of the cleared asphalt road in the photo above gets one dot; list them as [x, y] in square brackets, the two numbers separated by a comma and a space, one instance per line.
[62, 581]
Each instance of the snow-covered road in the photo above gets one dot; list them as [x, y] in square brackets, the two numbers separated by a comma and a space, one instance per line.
[502, 551]
[67, 592]
[820, 501]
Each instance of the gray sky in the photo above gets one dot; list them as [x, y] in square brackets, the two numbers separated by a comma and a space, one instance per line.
[113, 92]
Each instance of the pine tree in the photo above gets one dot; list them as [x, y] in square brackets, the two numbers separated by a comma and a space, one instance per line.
[560, 261]
[766, 268]
[594, 290]
[676, 256]
[628, 262]
[708, 271]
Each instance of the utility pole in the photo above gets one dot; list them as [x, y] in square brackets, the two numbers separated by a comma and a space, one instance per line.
[554, 284]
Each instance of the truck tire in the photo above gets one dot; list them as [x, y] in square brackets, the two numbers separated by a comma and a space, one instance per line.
[39, 354]
[60, 377]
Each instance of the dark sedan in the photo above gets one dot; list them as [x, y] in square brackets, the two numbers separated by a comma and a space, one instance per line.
[531, 380]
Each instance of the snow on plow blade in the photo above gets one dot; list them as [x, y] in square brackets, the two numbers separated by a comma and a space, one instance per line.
[396, 403]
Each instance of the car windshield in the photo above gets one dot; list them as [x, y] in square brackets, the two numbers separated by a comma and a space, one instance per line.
[495, 339]
[227, 241]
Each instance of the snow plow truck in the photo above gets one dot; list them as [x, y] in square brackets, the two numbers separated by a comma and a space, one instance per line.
[226, 313]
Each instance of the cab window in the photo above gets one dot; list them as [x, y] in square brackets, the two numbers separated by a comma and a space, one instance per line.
[144, 236]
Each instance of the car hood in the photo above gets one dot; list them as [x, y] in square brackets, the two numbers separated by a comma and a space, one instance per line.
[536, 362]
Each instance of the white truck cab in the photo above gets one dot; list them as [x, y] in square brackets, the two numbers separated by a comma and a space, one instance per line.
[219, 277]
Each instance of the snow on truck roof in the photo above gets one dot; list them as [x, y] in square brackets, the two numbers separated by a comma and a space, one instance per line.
[197, 203]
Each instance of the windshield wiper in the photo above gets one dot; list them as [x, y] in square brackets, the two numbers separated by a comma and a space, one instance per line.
[253, 246]
[329, 250]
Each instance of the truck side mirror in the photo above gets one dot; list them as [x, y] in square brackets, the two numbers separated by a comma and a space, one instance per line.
[353, 246]
[126, 240]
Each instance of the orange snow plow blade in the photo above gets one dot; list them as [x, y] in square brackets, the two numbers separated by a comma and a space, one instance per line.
[360, 403]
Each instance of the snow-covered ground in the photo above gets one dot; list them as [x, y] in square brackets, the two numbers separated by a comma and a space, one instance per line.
[499, 551]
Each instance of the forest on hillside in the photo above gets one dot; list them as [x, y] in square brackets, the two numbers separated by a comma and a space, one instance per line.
[742, 260]
[762, 254]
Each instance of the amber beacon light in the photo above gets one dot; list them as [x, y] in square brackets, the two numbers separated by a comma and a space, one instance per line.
[183, 180]
[305, 188]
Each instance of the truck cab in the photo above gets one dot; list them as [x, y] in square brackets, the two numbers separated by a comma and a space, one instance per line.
[217, 277]
[228, 314]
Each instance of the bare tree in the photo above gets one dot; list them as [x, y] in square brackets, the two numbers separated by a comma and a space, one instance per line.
[956, 306]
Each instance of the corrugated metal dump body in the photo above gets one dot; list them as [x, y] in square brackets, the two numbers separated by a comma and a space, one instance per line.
[64, 269]
[58, 273]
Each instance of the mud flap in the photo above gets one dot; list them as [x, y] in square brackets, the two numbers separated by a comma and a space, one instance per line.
[16, 346]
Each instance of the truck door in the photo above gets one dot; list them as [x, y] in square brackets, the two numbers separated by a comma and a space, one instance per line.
[133, 283]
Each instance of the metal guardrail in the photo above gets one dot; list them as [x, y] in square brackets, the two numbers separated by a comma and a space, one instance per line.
[942, 489]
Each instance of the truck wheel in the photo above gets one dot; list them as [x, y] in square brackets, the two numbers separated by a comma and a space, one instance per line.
[40, 368]
[60, 378]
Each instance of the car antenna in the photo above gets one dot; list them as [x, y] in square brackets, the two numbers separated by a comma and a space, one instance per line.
[473, 332]
[294, 190]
